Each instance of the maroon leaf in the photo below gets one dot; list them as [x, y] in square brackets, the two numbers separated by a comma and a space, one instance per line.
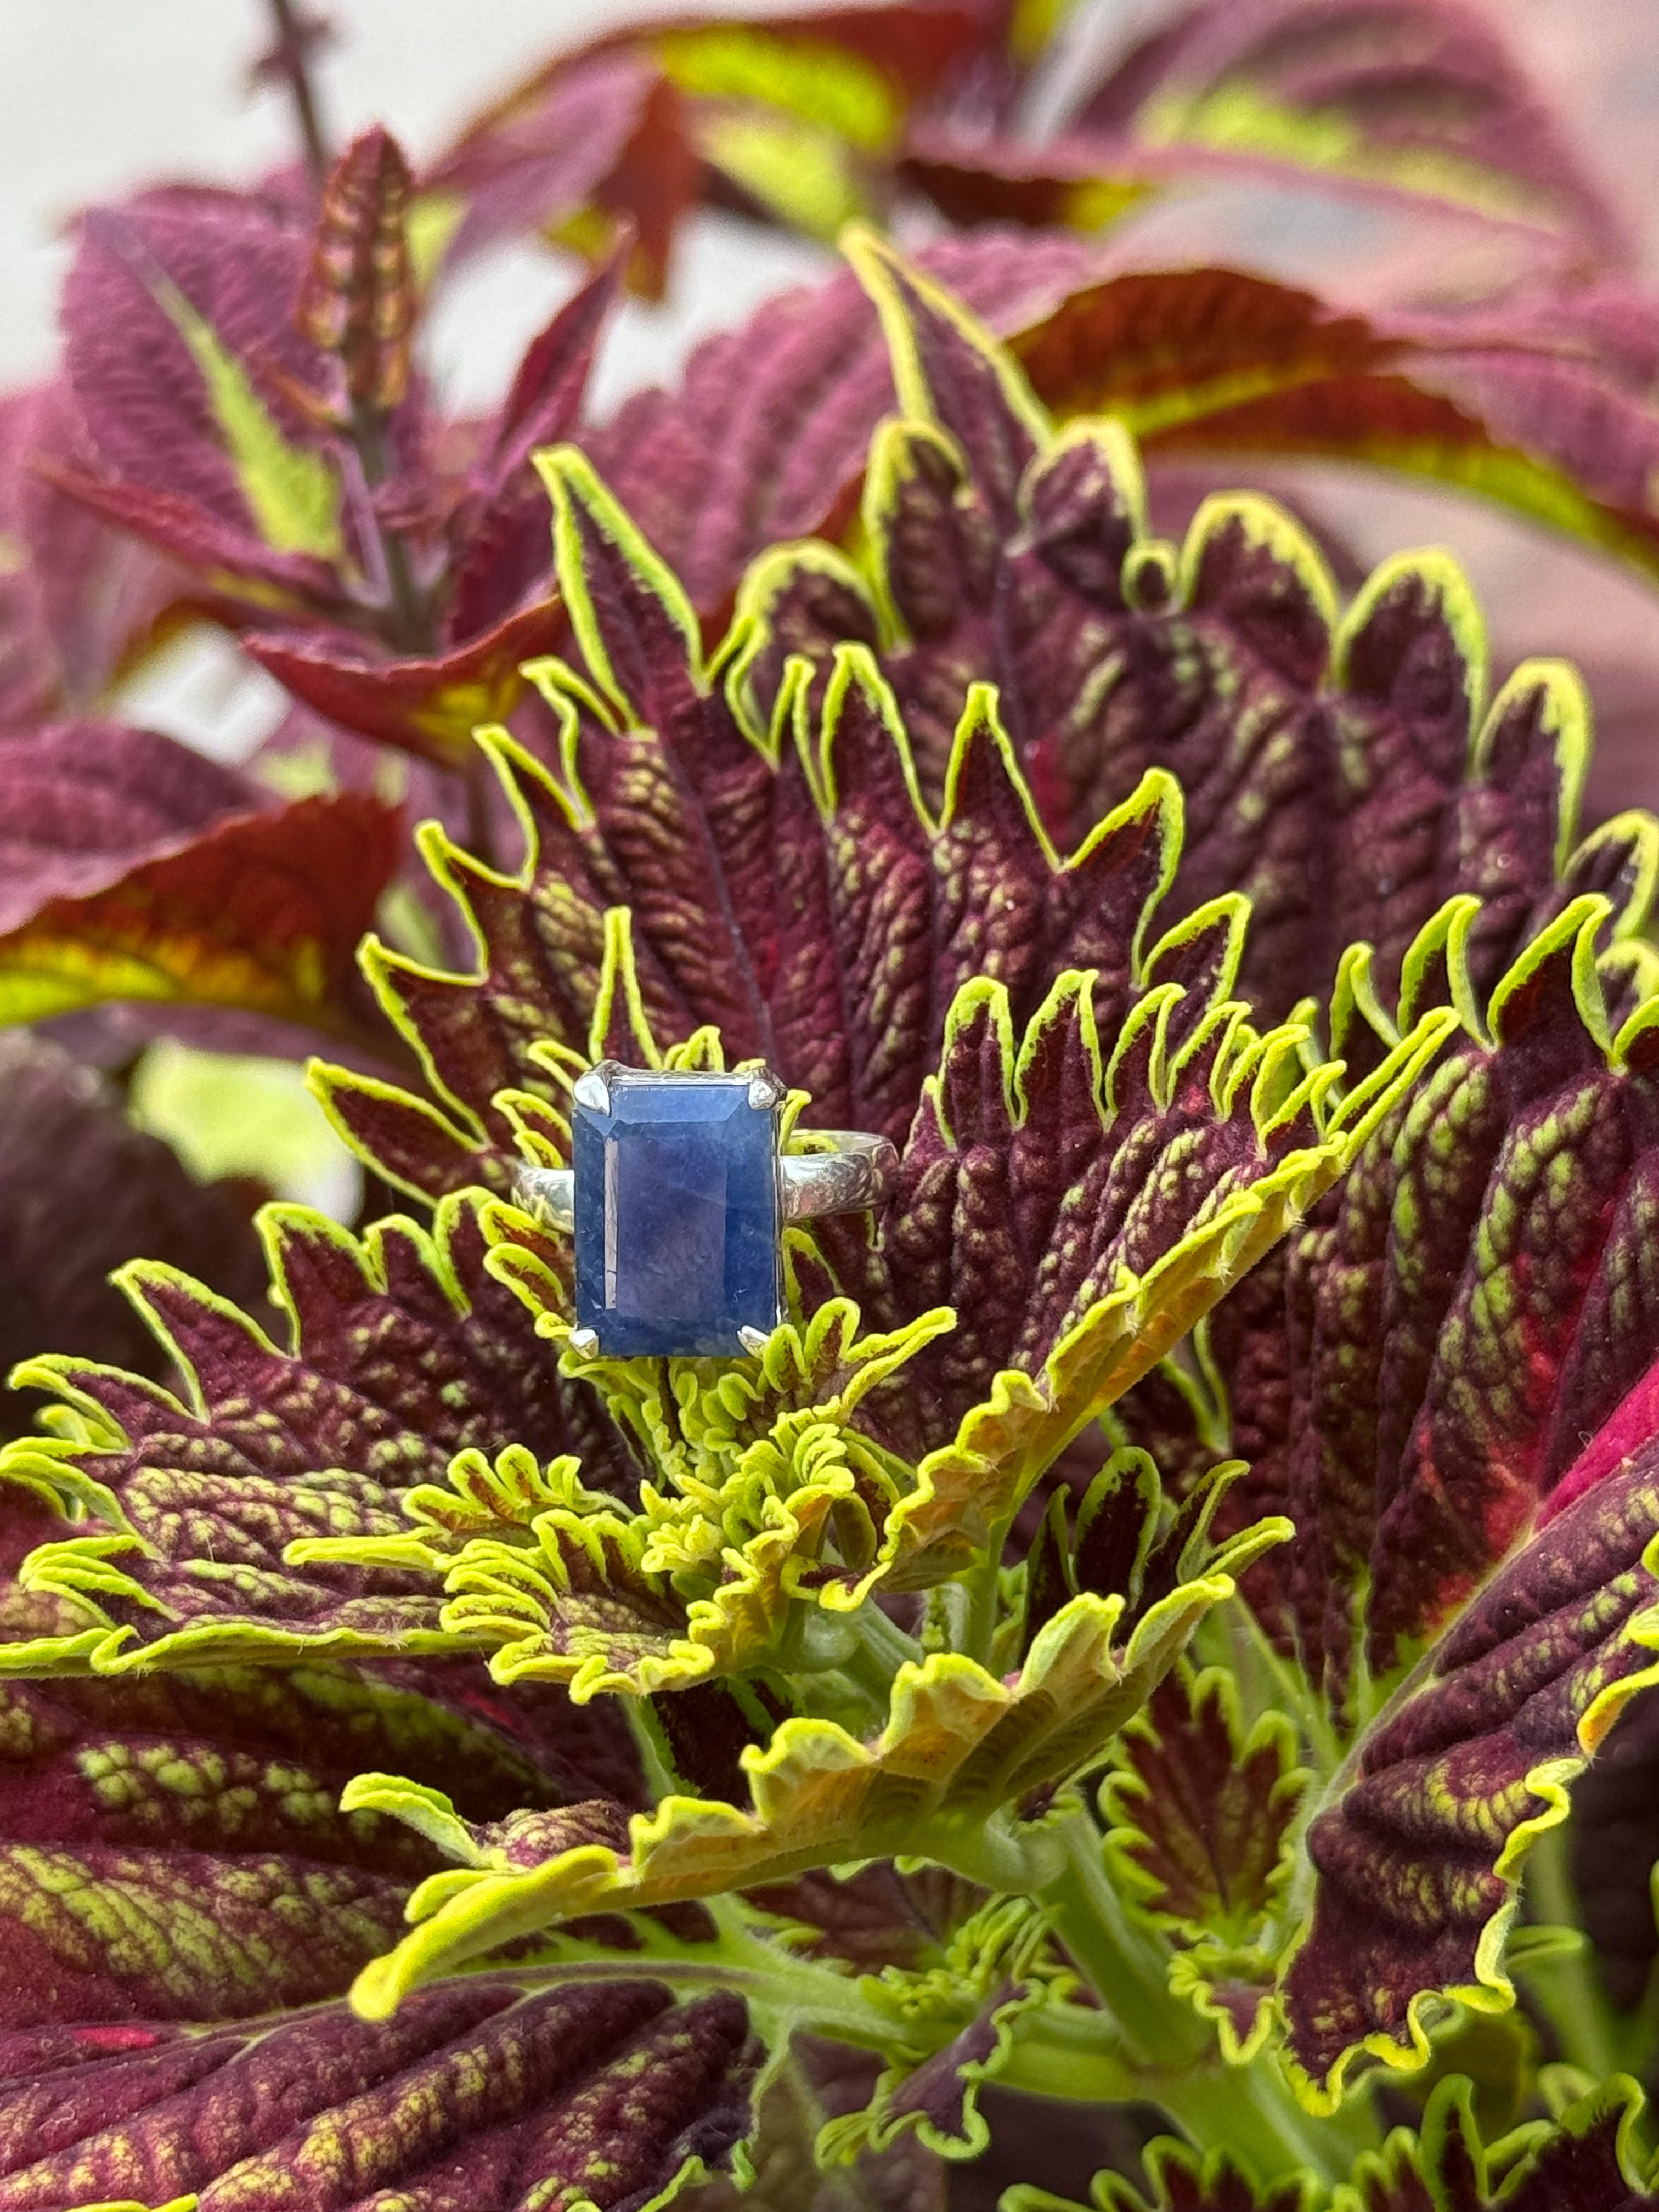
[1416, 1863]
[237, 260]
[478, 2094]
[157, 881]
[430, 707]
[765, 439]
[601, 132]
[1471, 1303]
[85, 802]
[1338, 772]
[1418, 98]
[82, 1191]
[240, 569]
[405, 1350]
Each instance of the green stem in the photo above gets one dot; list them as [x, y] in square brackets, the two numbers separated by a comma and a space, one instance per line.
[1170, 2057]
[1125, 1965]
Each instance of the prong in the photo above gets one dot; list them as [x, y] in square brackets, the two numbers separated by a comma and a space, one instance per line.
[764, 1090]
[594, 1088]
[753, 1341]
[583, 1342]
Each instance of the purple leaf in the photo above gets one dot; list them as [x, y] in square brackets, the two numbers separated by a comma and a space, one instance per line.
[1416, 98]
[405, 1351]
[1416, 1863]
[479, 2095]
[82, 1191]
[237, 260]
[765, 439]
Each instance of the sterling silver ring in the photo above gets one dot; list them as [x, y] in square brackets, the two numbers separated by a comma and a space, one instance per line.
[676, 1197]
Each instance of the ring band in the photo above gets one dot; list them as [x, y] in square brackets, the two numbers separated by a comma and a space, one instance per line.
[676, 1197]
[852, 1173]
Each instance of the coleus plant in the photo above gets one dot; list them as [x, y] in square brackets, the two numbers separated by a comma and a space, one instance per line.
[241, 433]
[1131, 1636]
[1131, 1642]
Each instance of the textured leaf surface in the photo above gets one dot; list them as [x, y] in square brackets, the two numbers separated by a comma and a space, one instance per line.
[481, 2095]
[405, 1351]
[183, 1902]
[1342, 771]
[1453, 1324]
[959, 1744]
[766, 436]
[1415, 1862]
[173, 300]
[1202, 1811]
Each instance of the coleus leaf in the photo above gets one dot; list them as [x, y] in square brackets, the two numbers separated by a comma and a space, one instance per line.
[82, 1191]
[962, 1750]
[429, 704]
[1343, 772]
[787, 114]
[1585, 2160]
[1178, 2180]
[183, 1901]
[765, 438]
[405, 1351]
[1420, 100]
[1468, 1308]
[1201, 1811]
[483, 2093]
[1587, 2157]
[139, 870]
[1413, 1860]
[593, 142]
[171, 303]
[1492, 400]
[80, 604]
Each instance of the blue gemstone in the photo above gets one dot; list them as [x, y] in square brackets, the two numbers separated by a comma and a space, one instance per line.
[677, 1215]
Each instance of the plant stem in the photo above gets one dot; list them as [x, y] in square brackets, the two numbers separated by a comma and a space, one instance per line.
[412, 617]
[1127, 1967]
[1168, 2054]
[288, 59]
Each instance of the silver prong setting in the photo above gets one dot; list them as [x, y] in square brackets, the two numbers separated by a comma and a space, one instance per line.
[753, 1341]
[583, 1342]
[592, 1089]
[765, 1091]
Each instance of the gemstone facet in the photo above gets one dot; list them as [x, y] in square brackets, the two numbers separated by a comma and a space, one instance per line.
[676, 1228]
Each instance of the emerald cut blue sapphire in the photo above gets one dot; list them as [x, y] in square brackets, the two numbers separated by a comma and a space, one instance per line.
[677, 1213]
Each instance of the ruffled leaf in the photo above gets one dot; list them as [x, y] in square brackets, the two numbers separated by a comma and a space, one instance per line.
[1343, 773]
[1202, 1810]
[1414, 1865]
[962, 1750]
[1470, 1305]
[405, 1351]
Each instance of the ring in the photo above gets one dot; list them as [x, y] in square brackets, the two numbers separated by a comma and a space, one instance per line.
[676, 1196]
